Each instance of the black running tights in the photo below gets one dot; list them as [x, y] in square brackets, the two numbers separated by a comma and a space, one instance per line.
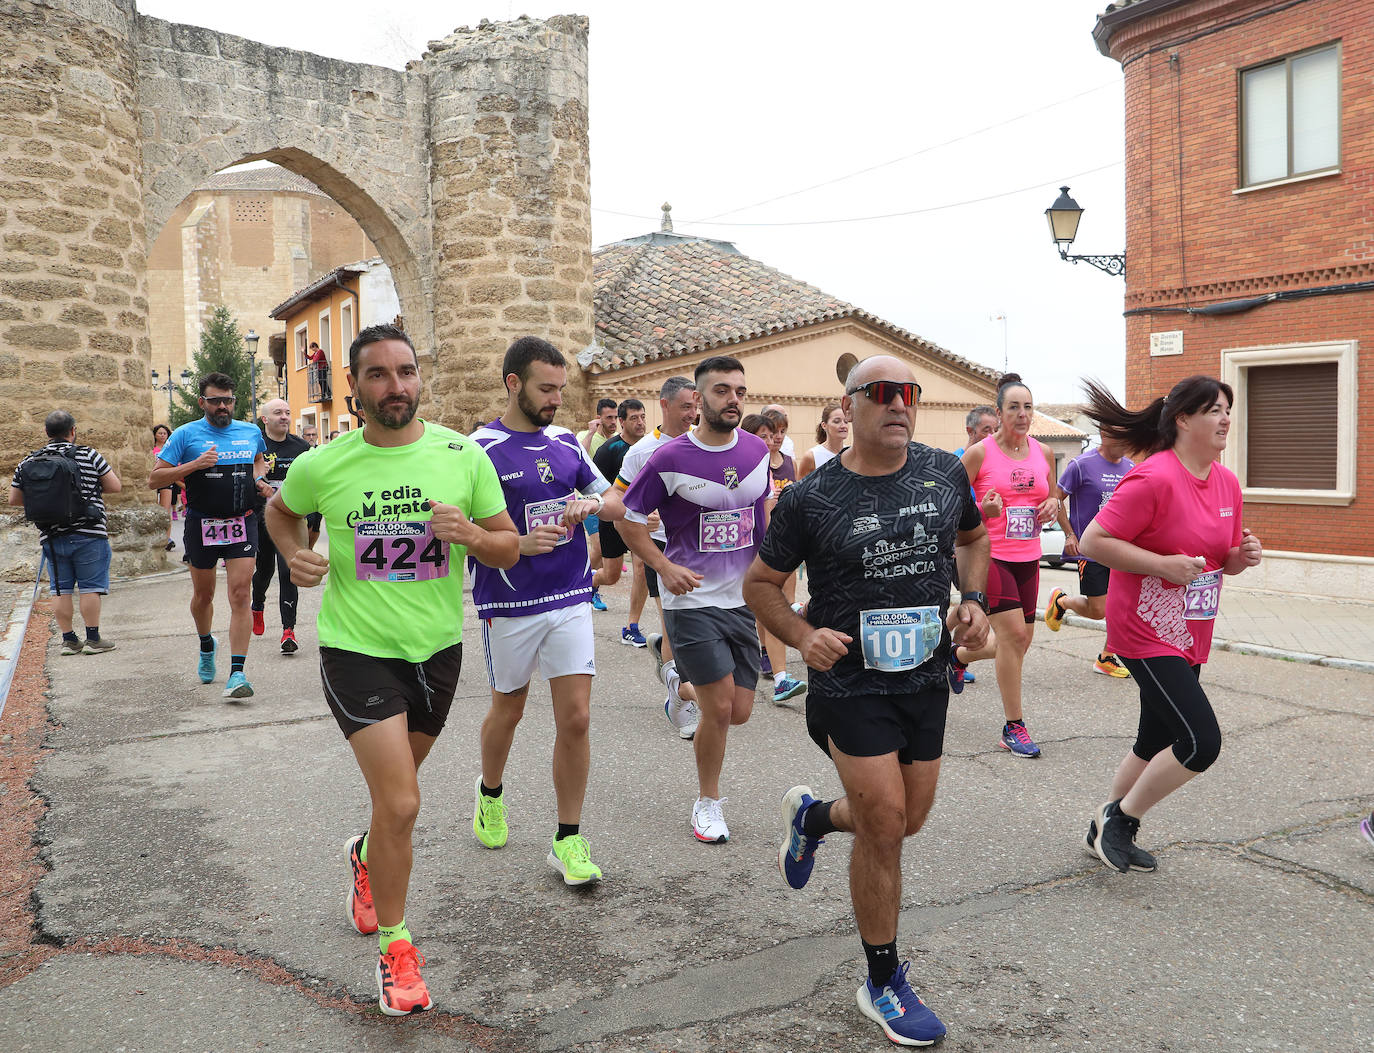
[1174, 711]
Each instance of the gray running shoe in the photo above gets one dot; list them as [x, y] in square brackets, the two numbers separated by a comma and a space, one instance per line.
[656, 649]
[97, 646]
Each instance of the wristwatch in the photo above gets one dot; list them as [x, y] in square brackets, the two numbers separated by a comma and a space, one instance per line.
[600, 503]
[973, 596]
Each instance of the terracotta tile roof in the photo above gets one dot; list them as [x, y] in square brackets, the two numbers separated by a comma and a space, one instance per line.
[664, 295]
[262, 181]
[323, 282]
[1044, 426]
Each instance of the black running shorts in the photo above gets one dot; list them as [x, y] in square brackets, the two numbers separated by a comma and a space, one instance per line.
[362, 690]
[1092, 578]
[207, 557]
[911, 725]
[651, 575]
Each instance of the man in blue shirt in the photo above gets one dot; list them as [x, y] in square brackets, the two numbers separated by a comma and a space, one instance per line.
[221, 464]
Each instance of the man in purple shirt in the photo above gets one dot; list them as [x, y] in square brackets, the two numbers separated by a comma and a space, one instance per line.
[1088, 481]
[708, 487]
[537, 614]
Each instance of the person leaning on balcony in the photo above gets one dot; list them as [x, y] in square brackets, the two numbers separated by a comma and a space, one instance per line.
[319, 365]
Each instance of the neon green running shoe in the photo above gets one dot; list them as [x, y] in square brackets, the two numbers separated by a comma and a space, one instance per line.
[489, 818]
[573, 859]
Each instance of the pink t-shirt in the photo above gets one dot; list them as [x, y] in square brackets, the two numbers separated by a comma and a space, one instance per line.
[1166, 509]
[1024, 485]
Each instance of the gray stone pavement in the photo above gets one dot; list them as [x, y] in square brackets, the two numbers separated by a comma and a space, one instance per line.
[208, 838]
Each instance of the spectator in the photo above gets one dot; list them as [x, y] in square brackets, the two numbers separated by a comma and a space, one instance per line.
[319, 368]
[67, 507]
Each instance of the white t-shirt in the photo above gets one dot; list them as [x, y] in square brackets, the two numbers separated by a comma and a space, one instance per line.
[631, 467]
[788, 448]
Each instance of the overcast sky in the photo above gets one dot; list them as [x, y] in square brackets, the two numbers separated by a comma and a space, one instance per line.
[953, 123]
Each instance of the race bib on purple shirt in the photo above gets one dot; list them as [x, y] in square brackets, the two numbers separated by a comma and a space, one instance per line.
[725, 530]
[231, 530]
[1022, 523]
[548, 513]
[404, 551]
[1203, 598]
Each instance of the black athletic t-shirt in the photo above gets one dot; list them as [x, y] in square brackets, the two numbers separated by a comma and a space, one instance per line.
[869, 543]
[279, 456]
[610, 456]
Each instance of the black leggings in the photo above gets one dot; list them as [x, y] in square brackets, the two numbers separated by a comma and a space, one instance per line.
[270, 559]
[1174, 711]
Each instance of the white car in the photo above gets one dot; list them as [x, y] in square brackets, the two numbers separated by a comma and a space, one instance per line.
[1052, 545]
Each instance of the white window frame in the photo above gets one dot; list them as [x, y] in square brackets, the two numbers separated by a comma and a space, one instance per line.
[307, 417]
[324, 427]
[325, 329]
[301, 335]
[346, 333]
[1235, 364]
[1243, 177]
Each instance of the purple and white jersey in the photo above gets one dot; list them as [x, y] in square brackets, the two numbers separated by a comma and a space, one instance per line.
[1089, 480]
[711, 501]
[540, 472]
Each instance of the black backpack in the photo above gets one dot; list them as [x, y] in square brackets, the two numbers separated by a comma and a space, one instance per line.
[53, 494]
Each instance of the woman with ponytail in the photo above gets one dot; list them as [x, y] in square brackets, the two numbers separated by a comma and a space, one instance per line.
[1171, 530]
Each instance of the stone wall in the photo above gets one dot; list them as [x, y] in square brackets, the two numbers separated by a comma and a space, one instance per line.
[137, 538]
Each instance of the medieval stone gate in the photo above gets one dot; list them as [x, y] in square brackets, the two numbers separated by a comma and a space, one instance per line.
[468, 171]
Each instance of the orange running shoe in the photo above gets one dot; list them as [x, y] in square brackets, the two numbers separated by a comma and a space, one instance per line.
[362, 915]
[1110, 665]
[402, 991]
[1055, 610]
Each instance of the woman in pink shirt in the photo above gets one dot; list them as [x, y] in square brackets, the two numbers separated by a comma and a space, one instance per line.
[1011, 475]
[1169, 533]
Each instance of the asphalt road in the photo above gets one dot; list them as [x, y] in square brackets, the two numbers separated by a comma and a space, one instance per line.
[196, 875]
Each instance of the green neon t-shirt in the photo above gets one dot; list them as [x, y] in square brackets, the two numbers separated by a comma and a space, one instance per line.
[393, 589]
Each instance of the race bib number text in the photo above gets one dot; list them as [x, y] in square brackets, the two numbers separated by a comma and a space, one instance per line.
[726, 530]
[228, 531]
[405, 551]
[899, 638]
[1022, 523]
[1203, 598]
[548, 513]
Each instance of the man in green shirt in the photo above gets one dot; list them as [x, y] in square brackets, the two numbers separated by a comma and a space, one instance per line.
[404, 501]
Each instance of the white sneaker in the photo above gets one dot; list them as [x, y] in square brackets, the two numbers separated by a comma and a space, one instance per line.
[708, 822]
[688, 719]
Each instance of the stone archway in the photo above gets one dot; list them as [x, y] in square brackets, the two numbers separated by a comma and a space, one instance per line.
[468, 170]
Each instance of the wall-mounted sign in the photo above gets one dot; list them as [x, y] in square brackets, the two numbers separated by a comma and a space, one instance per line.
[1166, 343]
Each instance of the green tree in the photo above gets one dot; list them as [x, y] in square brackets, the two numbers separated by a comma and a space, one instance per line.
[221, 351]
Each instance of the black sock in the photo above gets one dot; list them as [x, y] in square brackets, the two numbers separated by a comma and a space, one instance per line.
[491, 793]
[565, 830]
[70, 637]
[236, 663]
[882, 962]
[816, 820]
[207, 643]
[93, 632]
[1013, 723]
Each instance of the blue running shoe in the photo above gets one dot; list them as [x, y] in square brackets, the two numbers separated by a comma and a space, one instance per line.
[632, 636]
[788, 687]
[969, 678]
[796, 854]
[238, 686]
[955, 674]
[598, 604]
[903, 1017]
[205, 667]
[1016, 739]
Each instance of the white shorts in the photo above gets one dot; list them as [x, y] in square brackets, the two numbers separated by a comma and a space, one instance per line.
[558, 642]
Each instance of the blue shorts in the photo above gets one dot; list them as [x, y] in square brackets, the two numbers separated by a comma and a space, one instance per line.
[593, 525]
[78, 562]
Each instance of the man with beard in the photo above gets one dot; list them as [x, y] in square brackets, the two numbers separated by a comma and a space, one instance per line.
[708, 487]
[220, 463]
[537, 614]
[404, 501]
[282, 449]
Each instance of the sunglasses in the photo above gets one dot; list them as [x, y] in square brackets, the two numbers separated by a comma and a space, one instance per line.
[884, 391]
[219, 400]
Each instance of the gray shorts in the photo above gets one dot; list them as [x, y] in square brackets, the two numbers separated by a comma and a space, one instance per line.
[710, 644]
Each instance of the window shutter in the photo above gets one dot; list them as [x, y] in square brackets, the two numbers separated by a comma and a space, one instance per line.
[1290, 422]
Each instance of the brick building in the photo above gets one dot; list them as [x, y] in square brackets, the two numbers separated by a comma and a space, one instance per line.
[1250, 253]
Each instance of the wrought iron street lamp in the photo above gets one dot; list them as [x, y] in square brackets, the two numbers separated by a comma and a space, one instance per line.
[170, 386]
[251, 339]
[1064, 215]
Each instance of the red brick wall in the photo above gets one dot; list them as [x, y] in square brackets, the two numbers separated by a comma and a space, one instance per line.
[1191, 241]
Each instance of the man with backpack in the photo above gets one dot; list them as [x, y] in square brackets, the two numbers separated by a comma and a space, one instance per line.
[60, 488]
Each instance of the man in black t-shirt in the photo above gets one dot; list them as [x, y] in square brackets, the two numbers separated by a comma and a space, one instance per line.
[877, 527]
[282, 449]
[608, 459]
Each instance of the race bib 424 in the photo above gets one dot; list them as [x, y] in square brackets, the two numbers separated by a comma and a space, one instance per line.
[404, 551]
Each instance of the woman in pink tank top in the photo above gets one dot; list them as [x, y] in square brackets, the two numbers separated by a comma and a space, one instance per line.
[1011, 475]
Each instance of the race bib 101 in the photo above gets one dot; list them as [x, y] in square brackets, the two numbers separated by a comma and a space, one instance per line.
[726, 530]
[899, 639]
[404, 551]
[1022, 523]
[1203, 598]
[548, 513]
[230, 530]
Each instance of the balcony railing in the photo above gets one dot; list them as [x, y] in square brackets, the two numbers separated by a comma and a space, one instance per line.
[319, 383]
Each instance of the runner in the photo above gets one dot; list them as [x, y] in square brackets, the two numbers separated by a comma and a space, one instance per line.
[878, 527]
[282, 449]
[220, 461]
[1172, 529]
[391, 618]
[536, 615]
[592, 438]
[633, 425]
[677, 403]
[709, 487]
[831, 434]
[1011, 474]
[1087, 482]
[979, 423]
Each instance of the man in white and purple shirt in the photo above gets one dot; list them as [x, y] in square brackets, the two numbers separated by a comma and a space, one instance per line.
[537, 614]
[708, 487]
